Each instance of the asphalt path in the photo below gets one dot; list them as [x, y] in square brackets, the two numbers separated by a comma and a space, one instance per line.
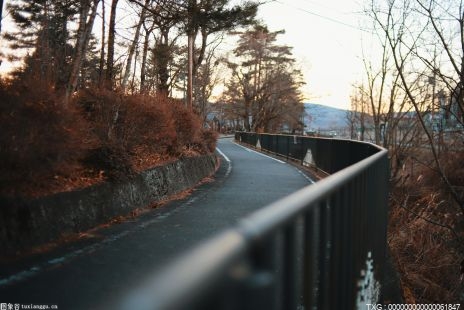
[96, 270]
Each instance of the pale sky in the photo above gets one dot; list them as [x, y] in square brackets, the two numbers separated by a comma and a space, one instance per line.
[327, 39]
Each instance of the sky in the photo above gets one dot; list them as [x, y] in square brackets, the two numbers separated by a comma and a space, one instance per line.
[327, 43]
[326, 38]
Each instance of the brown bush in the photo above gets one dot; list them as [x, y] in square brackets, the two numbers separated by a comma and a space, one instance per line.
[209, 138]
[40, 137]
[425, 230]
[129, 121]
[427, 255]
[136, 127]
[101, 108]
[454, 170]
[46, 147]
[148, 122]
[187, 126]
[112, 159]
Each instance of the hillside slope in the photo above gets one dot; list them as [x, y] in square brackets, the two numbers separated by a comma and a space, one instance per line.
[321, 117]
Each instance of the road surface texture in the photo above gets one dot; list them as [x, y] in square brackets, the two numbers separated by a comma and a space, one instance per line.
[94, 271]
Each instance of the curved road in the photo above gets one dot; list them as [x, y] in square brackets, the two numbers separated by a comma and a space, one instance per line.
[92, 272]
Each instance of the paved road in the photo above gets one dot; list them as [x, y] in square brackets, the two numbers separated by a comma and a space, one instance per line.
[94, 271]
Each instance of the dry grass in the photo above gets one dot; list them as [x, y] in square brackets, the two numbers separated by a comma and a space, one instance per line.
[426, 232]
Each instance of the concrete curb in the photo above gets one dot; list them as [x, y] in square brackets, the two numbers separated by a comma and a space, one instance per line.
[30, 223]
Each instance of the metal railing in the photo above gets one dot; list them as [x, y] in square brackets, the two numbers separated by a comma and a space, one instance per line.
[322, 247]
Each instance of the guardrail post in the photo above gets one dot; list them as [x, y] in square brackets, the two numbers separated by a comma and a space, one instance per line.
[324, 256]
[345, 240]
[292, 283]
[310, 239]
[337, 263]
[262, 290]
[288, 146]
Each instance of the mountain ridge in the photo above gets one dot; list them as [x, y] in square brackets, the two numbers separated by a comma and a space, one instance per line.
[322, 117]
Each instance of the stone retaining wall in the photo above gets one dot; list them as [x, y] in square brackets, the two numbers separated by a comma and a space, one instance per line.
[25, 224]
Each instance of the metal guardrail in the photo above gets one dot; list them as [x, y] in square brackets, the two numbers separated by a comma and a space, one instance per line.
[322, 247]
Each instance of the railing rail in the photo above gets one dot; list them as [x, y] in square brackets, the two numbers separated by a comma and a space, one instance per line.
[322, 247]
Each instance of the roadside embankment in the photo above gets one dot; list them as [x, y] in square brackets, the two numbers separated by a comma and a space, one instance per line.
[29, 223]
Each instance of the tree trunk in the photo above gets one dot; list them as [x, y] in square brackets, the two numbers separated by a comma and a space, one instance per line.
[201, 53]
[1, 14]
[163, 56]
[132, 85]
[143, 68]
[83, 36]
[246, 118]
[102, 50]
[190, 72]
[109, 76]
[133, 45]
[59, 53]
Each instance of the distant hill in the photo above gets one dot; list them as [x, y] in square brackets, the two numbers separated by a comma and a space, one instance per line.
[321, 117]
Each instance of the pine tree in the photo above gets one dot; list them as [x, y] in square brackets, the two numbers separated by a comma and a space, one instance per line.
[264, 83]
[207, 17]
[90, 69]
[42, 28]
[194, 18]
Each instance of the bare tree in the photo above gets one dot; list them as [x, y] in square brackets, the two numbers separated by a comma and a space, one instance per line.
[102, 48]
[109, 74]
[143, 67]
[1, 15]
[358, 113]
[207, 78]
[88, 11]
[417, 73]
[133, 44]
[375, 90]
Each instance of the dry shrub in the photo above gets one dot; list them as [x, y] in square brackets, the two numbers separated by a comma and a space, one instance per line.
[102, 109]
[425, 231]
[139, 131]
[40, 139]
[130, 121]
[187, 126]
[209, 138]
[47, 147]
[149, 123]
[426, 256]
[126, 126]
[111, 159]
[190, 134]
[454, 169]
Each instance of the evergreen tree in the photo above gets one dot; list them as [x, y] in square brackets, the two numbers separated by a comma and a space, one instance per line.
[42, 26]
[90, 69]
[265, 85]
[196, 18]
[206, 17]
